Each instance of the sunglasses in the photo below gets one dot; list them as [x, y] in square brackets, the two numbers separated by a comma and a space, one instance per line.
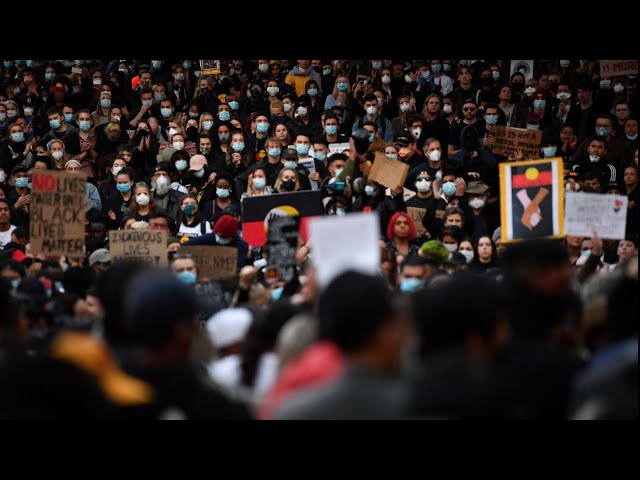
[468, 109]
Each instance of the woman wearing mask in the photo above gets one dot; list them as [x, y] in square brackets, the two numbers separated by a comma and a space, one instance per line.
[84, 140]
[58, 154]
[15, 149]
[107, 186]
[273, 90]
[401, 234]
[190, 221]
[287, 181]
[221, 150]
[223, 197]
[143, 204]
[120, 201]
[177, 87]
[391, 151]
[373, 198]
[399, 123]
[180, 177]
[341, 95]
[102, 114]
[206, 124]
[485, 255]
[288, 107]
[144, 149]
[191, 128]
[568, 145]
[315, 106]
[257, 184]
[466, 248]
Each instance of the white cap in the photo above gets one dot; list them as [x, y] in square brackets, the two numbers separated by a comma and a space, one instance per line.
[229, 326]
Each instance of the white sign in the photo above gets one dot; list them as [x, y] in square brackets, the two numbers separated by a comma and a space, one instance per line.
[310, 165]
[589, 213]
[355, 247]
[523, 66]
[338, 148]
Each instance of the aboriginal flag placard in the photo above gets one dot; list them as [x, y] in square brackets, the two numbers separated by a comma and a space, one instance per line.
[257, 211]
[532, 199]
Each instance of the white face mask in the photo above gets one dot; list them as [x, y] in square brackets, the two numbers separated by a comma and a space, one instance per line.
[273, 90]
[416, 132]
[618, 88]
[178, 145]
[476, 203]
[435, 155]
[563, 96]
[451, 247]
[407, 79]
[404, 107]
[564, 63]
[372, 110]
[142, 199]
[594, 158]
[386, 79]
[58, 154]
[468, 254]
[302, 111]
[3, 176]
[263, 67]
[529, 91]
[172, 131]
[116, 170]
[446, 108]
[287, 107]
[423, 185]
[28, 111]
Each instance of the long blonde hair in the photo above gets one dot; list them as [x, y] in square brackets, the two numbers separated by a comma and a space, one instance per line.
[278, 183]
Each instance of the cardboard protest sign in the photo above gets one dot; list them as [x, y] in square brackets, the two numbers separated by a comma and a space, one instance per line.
[523, 66]
[257, 211]
[210, 67]
[213, 261]
[532, 199]
[354, 248]
[509, 139]
[213, 296]
[58, 206]
[589, 213]
[611, 68]
[387, 172]
[417, 214]
[281, 246]
[147, 246]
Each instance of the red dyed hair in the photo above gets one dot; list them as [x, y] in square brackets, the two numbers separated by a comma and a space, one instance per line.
[392, 222]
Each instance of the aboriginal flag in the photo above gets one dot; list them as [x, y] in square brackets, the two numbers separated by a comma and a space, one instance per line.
[257, 211]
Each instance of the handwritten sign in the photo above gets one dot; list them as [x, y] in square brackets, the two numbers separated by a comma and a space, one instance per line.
[509, 139]
[281, 246]
[147, 246]
[213, 297]
[586, 213]
[387, 172]
[611, 68]
[338, 148]
[417, 214]
[214, 262]
[210, 67]
[58, 205]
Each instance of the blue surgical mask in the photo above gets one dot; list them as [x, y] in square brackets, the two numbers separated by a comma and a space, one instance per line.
[312, 92]
[17, 137]
[224, 137]
[223, 192]
[409, 285]
[224, 115]
[331, 129]
[302, 148]
[159, 97]
[446, 67]
[601, 131]
[181, 165]
[341, 212]
[495, 74]
[68, 117]
[259, 183]
[234, 105]
[49, 76]
[369, 191]
[223, 241]
[85, 125]
[262, 127]
[8, 64]
[194, 114]
[15, 283]
[343, 87]
[339, 171]
[449, 188]
[550, 151]
[392, 156]
[105, 103]
[274, 152]
[491, 119]
[326, 71]
[237, 146]
[123, 187]
[148, 103]
[22, 182]
[632, 137]
[165, 112]
[539, 104]
[207, 124]
[320, 156]
[372, 137]
[277, 293]
[197, 73]
[586, 253]
[54, 123]
[376, 65]
[290, 164]
[436, 68]
[188, 278]
[186, 65]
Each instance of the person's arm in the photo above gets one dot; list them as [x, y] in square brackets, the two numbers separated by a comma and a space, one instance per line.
[143, 110]
[93, 196]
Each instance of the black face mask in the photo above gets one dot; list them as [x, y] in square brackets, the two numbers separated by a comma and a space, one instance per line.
[288, 186]
[318, 68]
[517, 87]
[553, 86]
[192, 134]
[277, 118]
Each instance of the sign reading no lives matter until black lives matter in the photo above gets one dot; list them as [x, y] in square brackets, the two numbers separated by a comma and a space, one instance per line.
[58, 206]
[147, 246]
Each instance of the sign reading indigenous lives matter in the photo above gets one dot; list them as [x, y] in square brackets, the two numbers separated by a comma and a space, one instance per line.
[531, 199]
[509, 139]
[58, 209]
[258, 211]
[611, 68]
[214, 261]
[148, 246]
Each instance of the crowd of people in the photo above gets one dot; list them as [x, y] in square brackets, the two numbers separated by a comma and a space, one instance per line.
[456, 324]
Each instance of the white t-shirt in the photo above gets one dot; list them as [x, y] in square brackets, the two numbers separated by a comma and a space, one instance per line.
[5, 237]
[227, 372]
[194, 231]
